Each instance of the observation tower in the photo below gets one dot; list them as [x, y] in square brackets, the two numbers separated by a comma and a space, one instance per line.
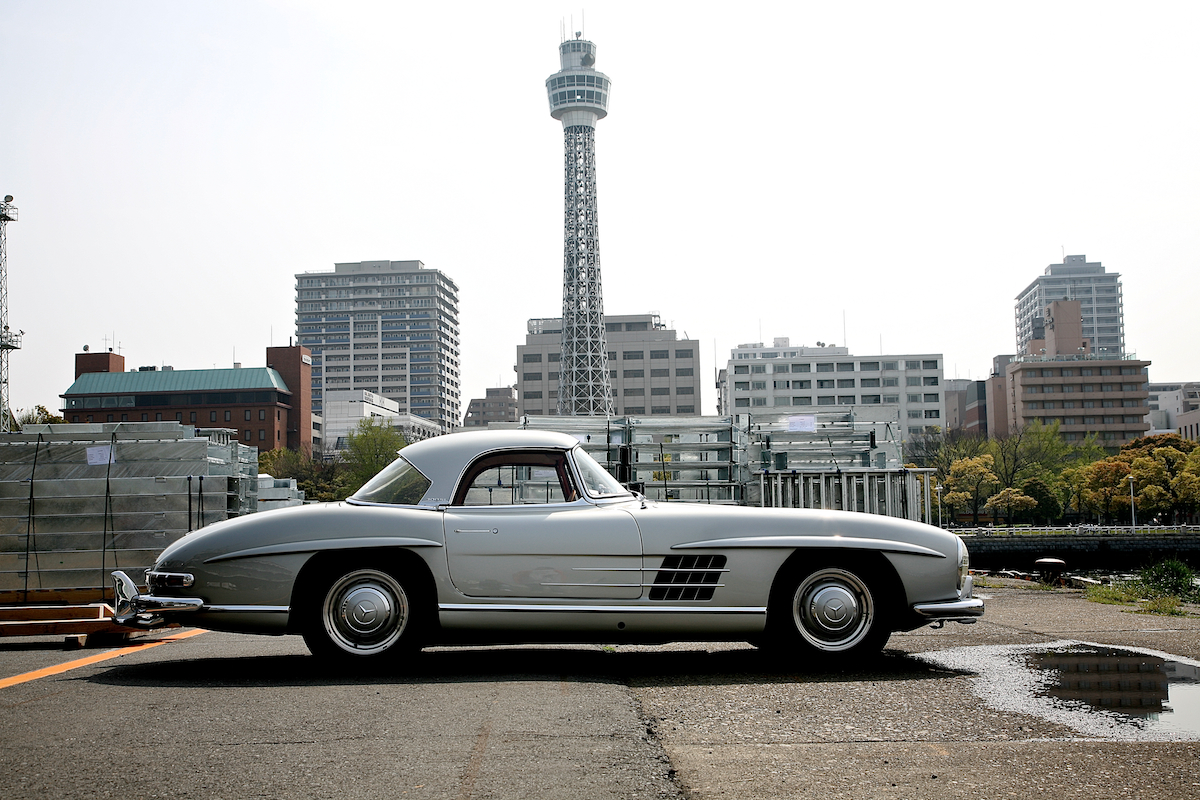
[579, 98]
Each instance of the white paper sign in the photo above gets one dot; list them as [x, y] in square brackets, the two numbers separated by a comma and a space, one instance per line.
[101, 455]
[804, 423]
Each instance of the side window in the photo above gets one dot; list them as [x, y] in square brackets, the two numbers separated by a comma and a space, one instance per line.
[516, 478]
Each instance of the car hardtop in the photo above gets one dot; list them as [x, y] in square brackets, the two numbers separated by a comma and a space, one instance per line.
[442, 459]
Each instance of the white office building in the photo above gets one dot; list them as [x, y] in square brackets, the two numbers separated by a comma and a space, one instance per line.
[826, 379]
[388, 327]
[346, 408]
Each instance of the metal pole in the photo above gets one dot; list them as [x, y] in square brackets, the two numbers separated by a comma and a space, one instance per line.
[1132, 508]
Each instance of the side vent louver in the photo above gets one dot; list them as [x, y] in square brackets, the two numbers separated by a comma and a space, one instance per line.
[688, 578]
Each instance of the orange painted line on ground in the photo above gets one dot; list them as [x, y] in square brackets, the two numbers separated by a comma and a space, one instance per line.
[83, 662]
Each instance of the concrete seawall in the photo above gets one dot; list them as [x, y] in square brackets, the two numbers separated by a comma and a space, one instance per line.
[1084, 550]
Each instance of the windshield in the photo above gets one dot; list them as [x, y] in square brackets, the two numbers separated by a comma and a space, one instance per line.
[596, 479]
[399, 483]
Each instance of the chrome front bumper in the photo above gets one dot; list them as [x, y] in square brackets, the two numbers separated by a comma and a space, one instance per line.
[145, 610]
[964, 611]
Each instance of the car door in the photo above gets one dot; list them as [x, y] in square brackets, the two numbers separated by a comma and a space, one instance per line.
[517, 528]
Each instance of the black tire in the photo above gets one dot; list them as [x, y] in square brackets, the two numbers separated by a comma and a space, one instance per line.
[835, 612]
[363, 615]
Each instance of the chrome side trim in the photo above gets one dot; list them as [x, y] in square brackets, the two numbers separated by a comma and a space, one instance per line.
[246, 609]
[605, 585]
[313, 545]
[604, 609]
[842, 542]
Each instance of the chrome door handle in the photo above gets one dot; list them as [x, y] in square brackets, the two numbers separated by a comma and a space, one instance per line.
[472, 530]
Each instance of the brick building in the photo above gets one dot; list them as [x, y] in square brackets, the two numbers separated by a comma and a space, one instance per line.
[270, 407]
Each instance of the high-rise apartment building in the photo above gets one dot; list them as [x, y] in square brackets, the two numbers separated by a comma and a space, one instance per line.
[804, 380]
[1099, 296]
[390, 327]
[652, 372]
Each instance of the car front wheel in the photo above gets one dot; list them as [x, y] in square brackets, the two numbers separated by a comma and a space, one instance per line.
[363, 613]
[832, 611]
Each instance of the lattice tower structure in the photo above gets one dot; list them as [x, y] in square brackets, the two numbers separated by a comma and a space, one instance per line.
[578, 97]
[9, 341]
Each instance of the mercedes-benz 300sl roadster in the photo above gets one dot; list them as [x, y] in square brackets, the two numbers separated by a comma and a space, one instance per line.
[521, 536]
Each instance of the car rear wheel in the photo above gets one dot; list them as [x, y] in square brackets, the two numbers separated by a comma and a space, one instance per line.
[833, 611]
[362, 614]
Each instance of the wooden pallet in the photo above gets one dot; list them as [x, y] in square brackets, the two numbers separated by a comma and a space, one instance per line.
[60, 620]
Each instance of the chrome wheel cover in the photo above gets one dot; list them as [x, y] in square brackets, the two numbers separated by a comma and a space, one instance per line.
[833, 609]
[365, 612]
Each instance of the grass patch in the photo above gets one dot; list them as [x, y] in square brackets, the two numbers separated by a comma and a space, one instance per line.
[1114, 594]
[1167, 606]
[1160, 589]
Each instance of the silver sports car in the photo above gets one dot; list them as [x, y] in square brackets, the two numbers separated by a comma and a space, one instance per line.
[520, 536]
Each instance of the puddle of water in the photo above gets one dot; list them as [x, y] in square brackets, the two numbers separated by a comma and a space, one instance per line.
[1160, 694]
[1097, 690]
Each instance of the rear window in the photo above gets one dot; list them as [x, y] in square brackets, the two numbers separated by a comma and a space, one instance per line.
[398, 484]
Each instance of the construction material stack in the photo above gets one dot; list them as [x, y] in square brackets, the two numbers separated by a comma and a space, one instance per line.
[78, 501]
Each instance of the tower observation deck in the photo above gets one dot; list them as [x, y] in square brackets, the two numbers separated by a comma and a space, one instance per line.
[578, 97]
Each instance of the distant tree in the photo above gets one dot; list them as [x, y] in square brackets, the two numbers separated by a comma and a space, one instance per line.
[370, 447]
[320, 481]
[1107, 485]
[38, 415]
[1162, 482]
[1038, 451]
[1148, 444]
[941, 448]
[1009, 502]
[1070, 484]
[1048, 504]
[970, 482]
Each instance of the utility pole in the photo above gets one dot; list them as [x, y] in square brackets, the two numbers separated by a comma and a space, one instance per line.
[9, 341]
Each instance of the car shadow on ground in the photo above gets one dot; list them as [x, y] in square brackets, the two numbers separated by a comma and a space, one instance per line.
[471, 664]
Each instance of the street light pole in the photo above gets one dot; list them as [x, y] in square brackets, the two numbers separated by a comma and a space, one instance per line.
[938, 489]
[1132, 507]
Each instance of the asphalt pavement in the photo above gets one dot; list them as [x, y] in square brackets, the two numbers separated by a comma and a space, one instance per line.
[251, 716]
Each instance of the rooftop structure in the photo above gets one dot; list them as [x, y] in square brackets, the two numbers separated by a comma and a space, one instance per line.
[390, 327]
[578, 96]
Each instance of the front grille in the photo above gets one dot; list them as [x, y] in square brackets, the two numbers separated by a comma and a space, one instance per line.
[688, 578]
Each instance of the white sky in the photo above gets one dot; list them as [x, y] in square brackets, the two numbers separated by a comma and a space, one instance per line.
[762, 172]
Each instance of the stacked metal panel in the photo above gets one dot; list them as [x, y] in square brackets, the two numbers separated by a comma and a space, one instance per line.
[77, 501]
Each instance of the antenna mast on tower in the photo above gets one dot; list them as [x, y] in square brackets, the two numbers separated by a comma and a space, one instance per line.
[9, 341]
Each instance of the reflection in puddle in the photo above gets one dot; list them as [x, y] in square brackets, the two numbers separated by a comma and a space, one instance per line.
[1094, 689]
[1160, 692]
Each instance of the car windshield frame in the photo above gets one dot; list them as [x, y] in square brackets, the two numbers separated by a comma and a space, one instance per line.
[401, 471]
[587, 467]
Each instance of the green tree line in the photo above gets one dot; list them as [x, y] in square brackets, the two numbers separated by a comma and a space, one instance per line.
[1035, 476]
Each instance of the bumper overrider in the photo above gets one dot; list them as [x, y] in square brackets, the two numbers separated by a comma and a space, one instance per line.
[138, 610]
[965, 610]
